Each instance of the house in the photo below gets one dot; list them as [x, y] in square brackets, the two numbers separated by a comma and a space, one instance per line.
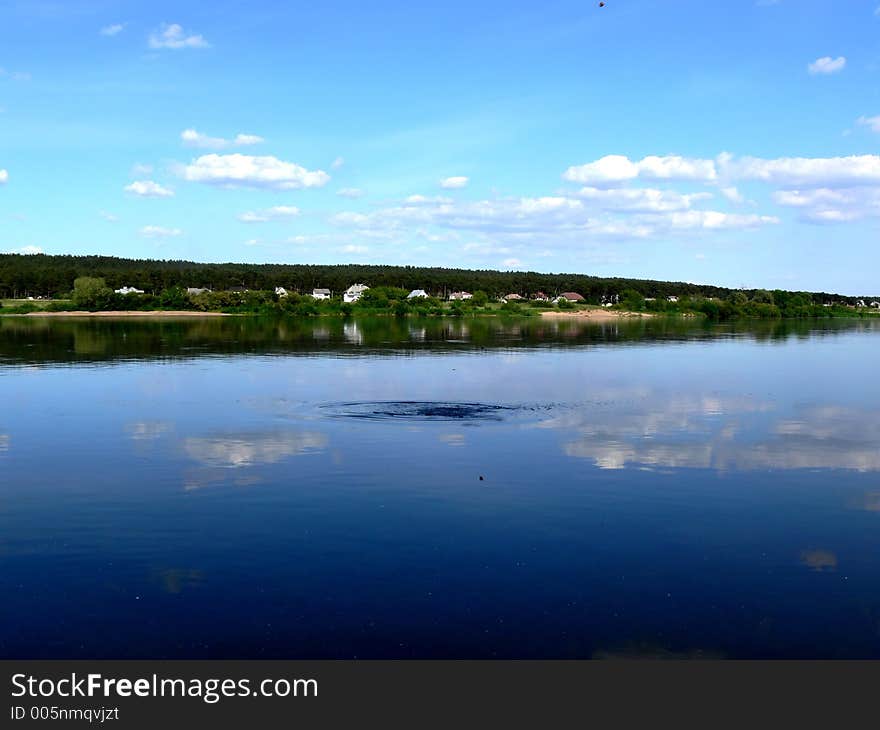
[569, 296]
[354, 293]
[860, 303]
[280, 291]
[460, 296]
[320, 294]
[238, 289]
[128, 290]
[541, 297]
[194, 291]
[417, 294]
[875, 305]
[672, 298]
[513, 298]
[650, 299]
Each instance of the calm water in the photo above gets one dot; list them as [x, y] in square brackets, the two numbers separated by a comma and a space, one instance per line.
[384, 488]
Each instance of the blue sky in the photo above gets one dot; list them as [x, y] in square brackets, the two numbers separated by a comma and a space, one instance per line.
[725, 142]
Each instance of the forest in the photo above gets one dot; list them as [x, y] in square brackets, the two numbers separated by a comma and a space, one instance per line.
[23, 276]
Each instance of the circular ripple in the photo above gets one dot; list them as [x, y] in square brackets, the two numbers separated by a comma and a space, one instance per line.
[419, 411]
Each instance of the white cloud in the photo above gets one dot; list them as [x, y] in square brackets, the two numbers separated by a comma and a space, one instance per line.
[237, 170]
[148, 189]
[640, 199]
[109, 217]
[173, 36]
[454, 183]
[733, 195]
[159, 232]
[192, 138]
[827, 65]
[827, 205]
[139, 170]
[354, 249]
[872, 122]
[805, 171]
[337, 163]
[27, 250]
[112, 30]
[511, 263]
[618, 168]
[277, 211]
[350, 193]
[714, 220]
[4, 177]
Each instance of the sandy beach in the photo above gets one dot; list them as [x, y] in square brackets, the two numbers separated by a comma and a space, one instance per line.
[160, 314]
[600, 315]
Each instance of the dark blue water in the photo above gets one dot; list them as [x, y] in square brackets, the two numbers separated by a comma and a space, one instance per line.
[386, 489]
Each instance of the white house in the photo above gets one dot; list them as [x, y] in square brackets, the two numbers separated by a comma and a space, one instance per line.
[320, 294]
[354, 292]
[280, 291]
[128, 290]
[459, 296]
[513, 298]
[672, 298]
[860, 303]
[569, 296]
[541, 297]
[875, 305]
[417, 294]
[194, 291]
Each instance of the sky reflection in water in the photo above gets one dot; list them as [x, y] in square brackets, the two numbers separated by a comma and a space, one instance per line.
[314, 490]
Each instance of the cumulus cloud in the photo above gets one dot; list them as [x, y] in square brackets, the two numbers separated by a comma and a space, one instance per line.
[148, 189]
[640, 199]
[806, 171]
[337, 163]
[261, 216]
[454, 183]
[350, 193]
[193, 138]
[619, 168]
[827, 65]
[159, 232]
[733, 195]
[4, 176]
[27, 250]
[237, 170]
[828, 206]
[112, 30]
[174, 37]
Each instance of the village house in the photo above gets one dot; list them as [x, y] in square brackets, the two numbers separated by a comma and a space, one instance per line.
[238, 289]
[875, 305]
[194, 291]
[672, 298]
[541, 297]
[320, 294]
[460, 296]
[354, 293]
[513, 298]
[417, 294]
[280, 291]
[569, 296]
[128, 290]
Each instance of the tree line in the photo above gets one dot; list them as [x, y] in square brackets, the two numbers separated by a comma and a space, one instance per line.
[41, 275]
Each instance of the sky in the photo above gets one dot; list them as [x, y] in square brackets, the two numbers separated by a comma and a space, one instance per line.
[731, 142]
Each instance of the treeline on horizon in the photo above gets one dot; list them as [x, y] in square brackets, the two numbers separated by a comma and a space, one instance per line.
[43, 275]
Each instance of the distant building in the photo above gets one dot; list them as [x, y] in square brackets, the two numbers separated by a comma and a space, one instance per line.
[280, 291]
[354, 293]
[672, 298]
[238, 289]
[860, 303]
[541, 297]
[417, 294]
[320, 294]
[460, 296]
[129, 290]
[569, 296]
[513, 298]
[875, 305]
[194, 291]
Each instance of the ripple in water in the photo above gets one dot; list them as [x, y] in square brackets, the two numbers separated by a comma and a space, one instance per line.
[419, 411]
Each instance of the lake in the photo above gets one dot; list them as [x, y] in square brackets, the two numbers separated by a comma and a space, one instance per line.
[478, 488]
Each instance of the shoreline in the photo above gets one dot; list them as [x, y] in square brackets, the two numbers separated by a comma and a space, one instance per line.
[597, 314]
[123, 314]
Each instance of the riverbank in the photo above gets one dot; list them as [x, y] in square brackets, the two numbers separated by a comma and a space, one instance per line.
[599, 315]
[131, 313]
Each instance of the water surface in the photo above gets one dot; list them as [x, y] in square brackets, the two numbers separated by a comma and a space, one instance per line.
[454, 488]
